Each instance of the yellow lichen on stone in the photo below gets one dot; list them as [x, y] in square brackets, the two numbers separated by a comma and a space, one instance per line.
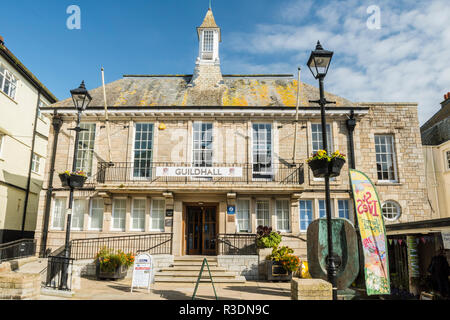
[288, 93]
[184, 102]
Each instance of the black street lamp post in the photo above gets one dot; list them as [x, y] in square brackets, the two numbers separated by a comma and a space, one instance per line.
[318, 63]
[81, 99]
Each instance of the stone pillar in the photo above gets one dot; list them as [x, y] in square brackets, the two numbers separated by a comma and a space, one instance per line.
[177, 241]
[311, 289]
[231, 219]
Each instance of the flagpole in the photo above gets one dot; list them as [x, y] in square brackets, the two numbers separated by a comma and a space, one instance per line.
[106, 117]
[296, 116]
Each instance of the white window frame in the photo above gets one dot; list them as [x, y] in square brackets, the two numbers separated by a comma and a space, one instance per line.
[288, 215]
[163, 215]
[12, 79]
[249, 217]
[447, 159]
[133, 218]
[91, 208]
[396, 205]
[319, 201]
[300, 215]
[85, 156]
[86, 209]
[208, 41]
[36, 163]
[269, 213]
[61, 218]
[252, 161]
[347, 208]
[394, 157]
[329, 137]
[2, 141]
[193, 161]
[152, 149]
[124, 215]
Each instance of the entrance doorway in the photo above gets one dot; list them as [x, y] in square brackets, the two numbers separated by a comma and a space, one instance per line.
[200, 230]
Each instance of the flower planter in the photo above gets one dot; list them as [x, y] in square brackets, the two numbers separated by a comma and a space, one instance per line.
[335, 166]
[319, 167]
[276, 272]
[77, 181]
[64, 177]
[118, 274]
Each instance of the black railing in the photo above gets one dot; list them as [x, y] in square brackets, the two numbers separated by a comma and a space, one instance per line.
[17, 249]
[158, 243]
[55, 275]
[157, 172]
[237, 244]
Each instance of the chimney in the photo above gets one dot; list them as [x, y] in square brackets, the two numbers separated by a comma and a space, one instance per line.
[446, 100]
[2, 41]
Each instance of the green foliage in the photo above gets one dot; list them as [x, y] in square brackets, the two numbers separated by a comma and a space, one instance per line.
[286, 257]
[266, 238]
[110, 261]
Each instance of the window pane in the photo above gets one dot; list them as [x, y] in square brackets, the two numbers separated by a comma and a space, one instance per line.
[306, 214]
[143, 150]
[138, 214]
[118, 214]
[322, 209]
[79, 209]
[96, 217]
[203, 144]
[283, 216]
[157, 215]
[263, 213]
[59, 213]
[391, 210]
[343, 209]
[243, 215]
[317, 143]
[85, 153]
[385, 157]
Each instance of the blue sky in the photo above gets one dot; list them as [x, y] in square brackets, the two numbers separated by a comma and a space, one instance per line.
[401, 61]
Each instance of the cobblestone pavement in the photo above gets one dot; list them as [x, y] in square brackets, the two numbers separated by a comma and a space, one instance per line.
[92, 289]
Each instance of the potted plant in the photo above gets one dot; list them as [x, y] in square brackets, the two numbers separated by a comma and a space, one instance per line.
[282, 264]
[73, 179]
[319, 163]
[266, 238]
[336, 163]
[113, 265]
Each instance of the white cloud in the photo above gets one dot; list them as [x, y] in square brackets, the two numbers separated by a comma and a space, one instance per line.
[406, 60]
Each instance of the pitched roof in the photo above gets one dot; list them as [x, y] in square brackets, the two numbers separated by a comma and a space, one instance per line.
[209, 21]
[174, 90]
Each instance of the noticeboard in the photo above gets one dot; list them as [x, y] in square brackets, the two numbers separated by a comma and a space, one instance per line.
[143, 273]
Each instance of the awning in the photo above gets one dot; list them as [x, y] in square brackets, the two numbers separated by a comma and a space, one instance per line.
[419, 227]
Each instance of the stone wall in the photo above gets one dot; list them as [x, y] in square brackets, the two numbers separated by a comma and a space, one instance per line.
[311, 289]
[19, 286]
[246, 266]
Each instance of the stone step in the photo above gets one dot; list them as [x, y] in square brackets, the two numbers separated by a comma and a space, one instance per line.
[193, 263]
[193, 268]
[194, 280]
[205, 274]
[196, 258]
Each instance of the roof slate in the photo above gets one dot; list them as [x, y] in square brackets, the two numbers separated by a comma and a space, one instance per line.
[243, 91]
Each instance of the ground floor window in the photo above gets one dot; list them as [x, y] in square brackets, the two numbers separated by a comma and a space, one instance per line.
[283, 215]
[138, 214]
[96, 214]
[343, 209]
[306, 214]
[157, 215]
[243, 216]
[262, 213]
[79, 209]
[59, 213]
[119, 214]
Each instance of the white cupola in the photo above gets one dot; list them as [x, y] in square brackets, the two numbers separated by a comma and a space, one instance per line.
[209, 37]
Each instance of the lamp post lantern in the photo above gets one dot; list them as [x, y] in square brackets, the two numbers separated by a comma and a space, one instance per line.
[319, 63]
[81, 99]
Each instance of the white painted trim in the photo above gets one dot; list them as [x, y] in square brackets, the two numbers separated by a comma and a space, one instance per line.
[131, 213]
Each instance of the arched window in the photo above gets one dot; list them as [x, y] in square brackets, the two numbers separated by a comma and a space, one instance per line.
[391, 210]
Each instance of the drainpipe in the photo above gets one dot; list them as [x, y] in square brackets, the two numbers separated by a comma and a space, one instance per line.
[27, 192]
[57, 123]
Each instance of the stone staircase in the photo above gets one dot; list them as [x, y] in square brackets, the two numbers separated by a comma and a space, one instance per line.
[186, 269]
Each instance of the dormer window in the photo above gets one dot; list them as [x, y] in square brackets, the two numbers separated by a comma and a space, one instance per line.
[208, 41]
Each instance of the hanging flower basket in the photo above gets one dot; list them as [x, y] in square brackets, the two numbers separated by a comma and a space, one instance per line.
[335, 166]
[319, 167]
[73, 180]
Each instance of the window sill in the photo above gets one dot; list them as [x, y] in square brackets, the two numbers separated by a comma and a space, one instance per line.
[388, 183]
[9, 97]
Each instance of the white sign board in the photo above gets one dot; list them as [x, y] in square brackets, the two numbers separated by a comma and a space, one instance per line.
[198, 171]
[143, 274]
[446, 239]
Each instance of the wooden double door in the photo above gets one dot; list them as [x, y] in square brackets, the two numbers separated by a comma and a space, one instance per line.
[201, 230]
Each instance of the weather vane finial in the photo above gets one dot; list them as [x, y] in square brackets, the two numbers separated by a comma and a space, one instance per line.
[209, 4]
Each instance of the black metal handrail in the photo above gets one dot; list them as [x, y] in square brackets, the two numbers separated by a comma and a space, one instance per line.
[155, 243]
[237, 244]
[17, 249]
[130, 172]
[55, 275]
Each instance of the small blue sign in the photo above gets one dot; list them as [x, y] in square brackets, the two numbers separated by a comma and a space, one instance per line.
[231, 209]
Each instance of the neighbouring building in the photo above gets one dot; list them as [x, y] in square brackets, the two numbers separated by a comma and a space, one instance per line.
[413, 244]
[23, 146]
[187, 149]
